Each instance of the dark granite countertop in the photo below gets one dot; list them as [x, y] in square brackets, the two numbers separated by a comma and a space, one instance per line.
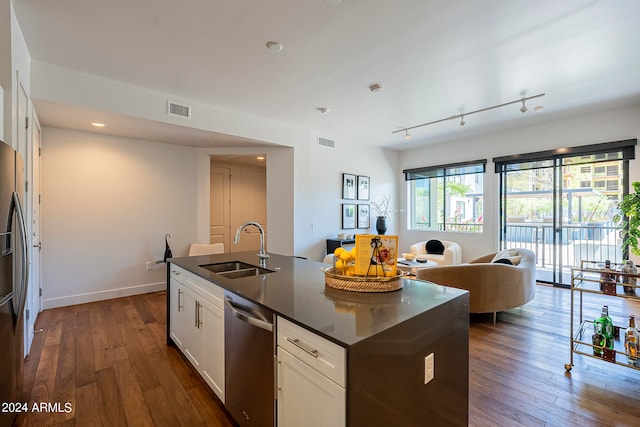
[296, 291]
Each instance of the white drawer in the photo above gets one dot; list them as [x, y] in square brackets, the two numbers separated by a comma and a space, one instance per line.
[177, 273]
[321, 354]
[207, 290]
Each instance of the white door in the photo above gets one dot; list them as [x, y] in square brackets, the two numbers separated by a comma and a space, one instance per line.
[220, 207]
[34, 294]
[253, 204]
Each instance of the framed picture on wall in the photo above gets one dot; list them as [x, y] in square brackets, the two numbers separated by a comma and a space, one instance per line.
[363, 187]
[348, 215]
[364, 216]
[348, 186]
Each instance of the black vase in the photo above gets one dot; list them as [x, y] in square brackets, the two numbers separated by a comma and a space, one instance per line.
[381, 224]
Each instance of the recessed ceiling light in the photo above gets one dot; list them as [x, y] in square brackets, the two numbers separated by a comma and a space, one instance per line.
[98, 125]
[323, 110]
[275, 46]
[538, 108]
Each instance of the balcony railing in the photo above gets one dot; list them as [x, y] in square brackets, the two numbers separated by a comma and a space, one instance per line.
[593, 241]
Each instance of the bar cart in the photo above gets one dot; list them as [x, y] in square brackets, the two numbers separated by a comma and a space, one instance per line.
[593, 278]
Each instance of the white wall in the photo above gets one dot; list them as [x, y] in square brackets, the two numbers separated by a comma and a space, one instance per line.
[587, 129]
[318, 189]
[108, 201]
[304, 186]
[14, 68]
[107, 204]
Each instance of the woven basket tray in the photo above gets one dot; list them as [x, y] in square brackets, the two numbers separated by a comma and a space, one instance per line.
[361, 284]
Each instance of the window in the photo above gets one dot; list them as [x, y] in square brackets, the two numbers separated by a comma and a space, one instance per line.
[446, 197]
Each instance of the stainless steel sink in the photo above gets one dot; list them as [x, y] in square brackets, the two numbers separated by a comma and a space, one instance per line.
[236, 269]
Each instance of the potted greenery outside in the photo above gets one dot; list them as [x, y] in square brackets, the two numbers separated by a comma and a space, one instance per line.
[628, 219]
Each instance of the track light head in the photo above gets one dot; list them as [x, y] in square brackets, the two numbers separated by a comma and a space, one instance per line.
[462, 122]
[406, 134]
[524, 108]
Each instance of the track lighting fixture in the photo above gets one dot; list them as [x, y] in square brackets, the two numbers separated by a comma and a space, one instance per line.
[460, 116]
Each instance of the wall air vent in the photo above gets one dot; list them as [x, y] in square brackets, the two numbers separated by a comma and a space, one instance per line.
[179, 110]
[326, 142]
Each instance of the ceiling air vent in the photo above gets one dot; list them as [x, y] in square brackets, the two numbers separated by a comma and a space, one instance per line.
[179, 110]
[326, 142]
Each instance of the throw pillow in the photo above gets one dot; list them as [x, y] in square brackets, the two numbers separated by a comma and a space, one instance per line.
[503, 261]
[502, 255]
[434, 247]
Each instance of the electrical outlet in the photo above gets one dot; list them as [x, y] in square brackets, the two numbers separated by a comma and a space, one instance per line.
[148, 265]
[428, 368]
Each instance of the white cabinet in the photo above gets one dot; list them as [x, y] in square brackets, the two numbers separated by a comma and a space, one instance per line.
[311, 379]
[212, 360]
[197, 325]
[193, 336]
[177, 318]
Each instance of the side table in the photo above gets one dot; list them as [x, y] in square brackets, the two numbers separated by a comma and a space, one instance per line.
[410, 267]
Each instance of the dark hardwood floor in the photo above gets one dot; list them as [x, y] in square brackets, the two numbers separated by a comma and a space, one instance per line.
[109, 360]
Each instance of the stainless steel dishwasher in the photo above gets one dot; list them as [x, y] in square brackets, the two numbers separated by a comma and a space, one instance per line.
[249, 362]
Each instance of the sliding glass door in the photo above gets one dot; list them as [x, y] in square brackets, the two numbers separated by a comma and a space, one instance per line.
[560, 204]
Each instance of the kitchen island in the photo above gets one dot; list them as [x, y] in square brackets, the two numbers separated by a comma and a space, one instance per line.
[386, 339]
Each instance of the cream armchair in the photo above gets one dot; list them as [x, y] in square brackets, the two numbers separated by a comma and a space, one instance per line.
[452, 253]
[492, 286]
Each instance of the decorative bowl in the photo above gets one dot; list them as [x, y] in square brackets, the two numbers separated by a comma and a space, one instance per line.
[409, 256]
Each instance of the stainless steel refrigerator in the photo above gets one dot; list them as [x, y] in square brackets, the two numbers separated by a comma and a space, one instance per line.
[13, 279]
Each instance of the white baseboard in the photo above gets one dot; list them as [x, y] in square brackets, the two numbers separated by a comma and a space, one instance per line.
[103, 295]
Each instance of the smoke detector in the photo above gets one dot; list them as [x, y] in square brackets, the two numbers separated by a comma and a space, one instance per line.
[275, 46]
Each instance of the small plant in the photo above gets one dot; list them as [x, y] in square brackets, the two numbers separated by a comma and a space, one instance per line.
[628, 219]
[382, 208]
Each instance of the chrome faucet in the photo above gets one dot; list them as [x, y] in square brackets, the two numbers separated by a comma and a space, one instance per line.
[262, 255]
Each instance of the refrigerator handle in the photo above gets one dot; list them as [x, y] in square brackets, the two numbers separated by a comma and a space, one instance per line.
[22, 226]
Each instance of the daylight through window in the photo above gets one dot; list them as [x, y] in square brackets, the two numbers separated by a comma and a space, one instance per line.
[446, 197]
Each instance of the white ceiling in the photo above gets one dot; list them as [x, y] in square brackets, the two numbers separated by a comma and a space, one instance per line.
[433, 59]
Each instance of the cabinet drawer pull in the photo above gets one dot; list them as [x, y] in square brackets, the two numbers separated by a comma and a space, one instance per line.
[179, 300]
[303, 347]
[198, 321]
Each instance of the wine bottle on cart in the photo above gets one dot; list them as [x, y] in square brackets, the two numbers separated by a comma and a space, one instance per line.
[631, 342]
[629, 286]
[603, 332]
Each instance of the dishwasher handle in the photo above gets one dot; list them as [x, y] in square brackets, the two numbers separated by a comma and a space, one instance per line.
[244, 314]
